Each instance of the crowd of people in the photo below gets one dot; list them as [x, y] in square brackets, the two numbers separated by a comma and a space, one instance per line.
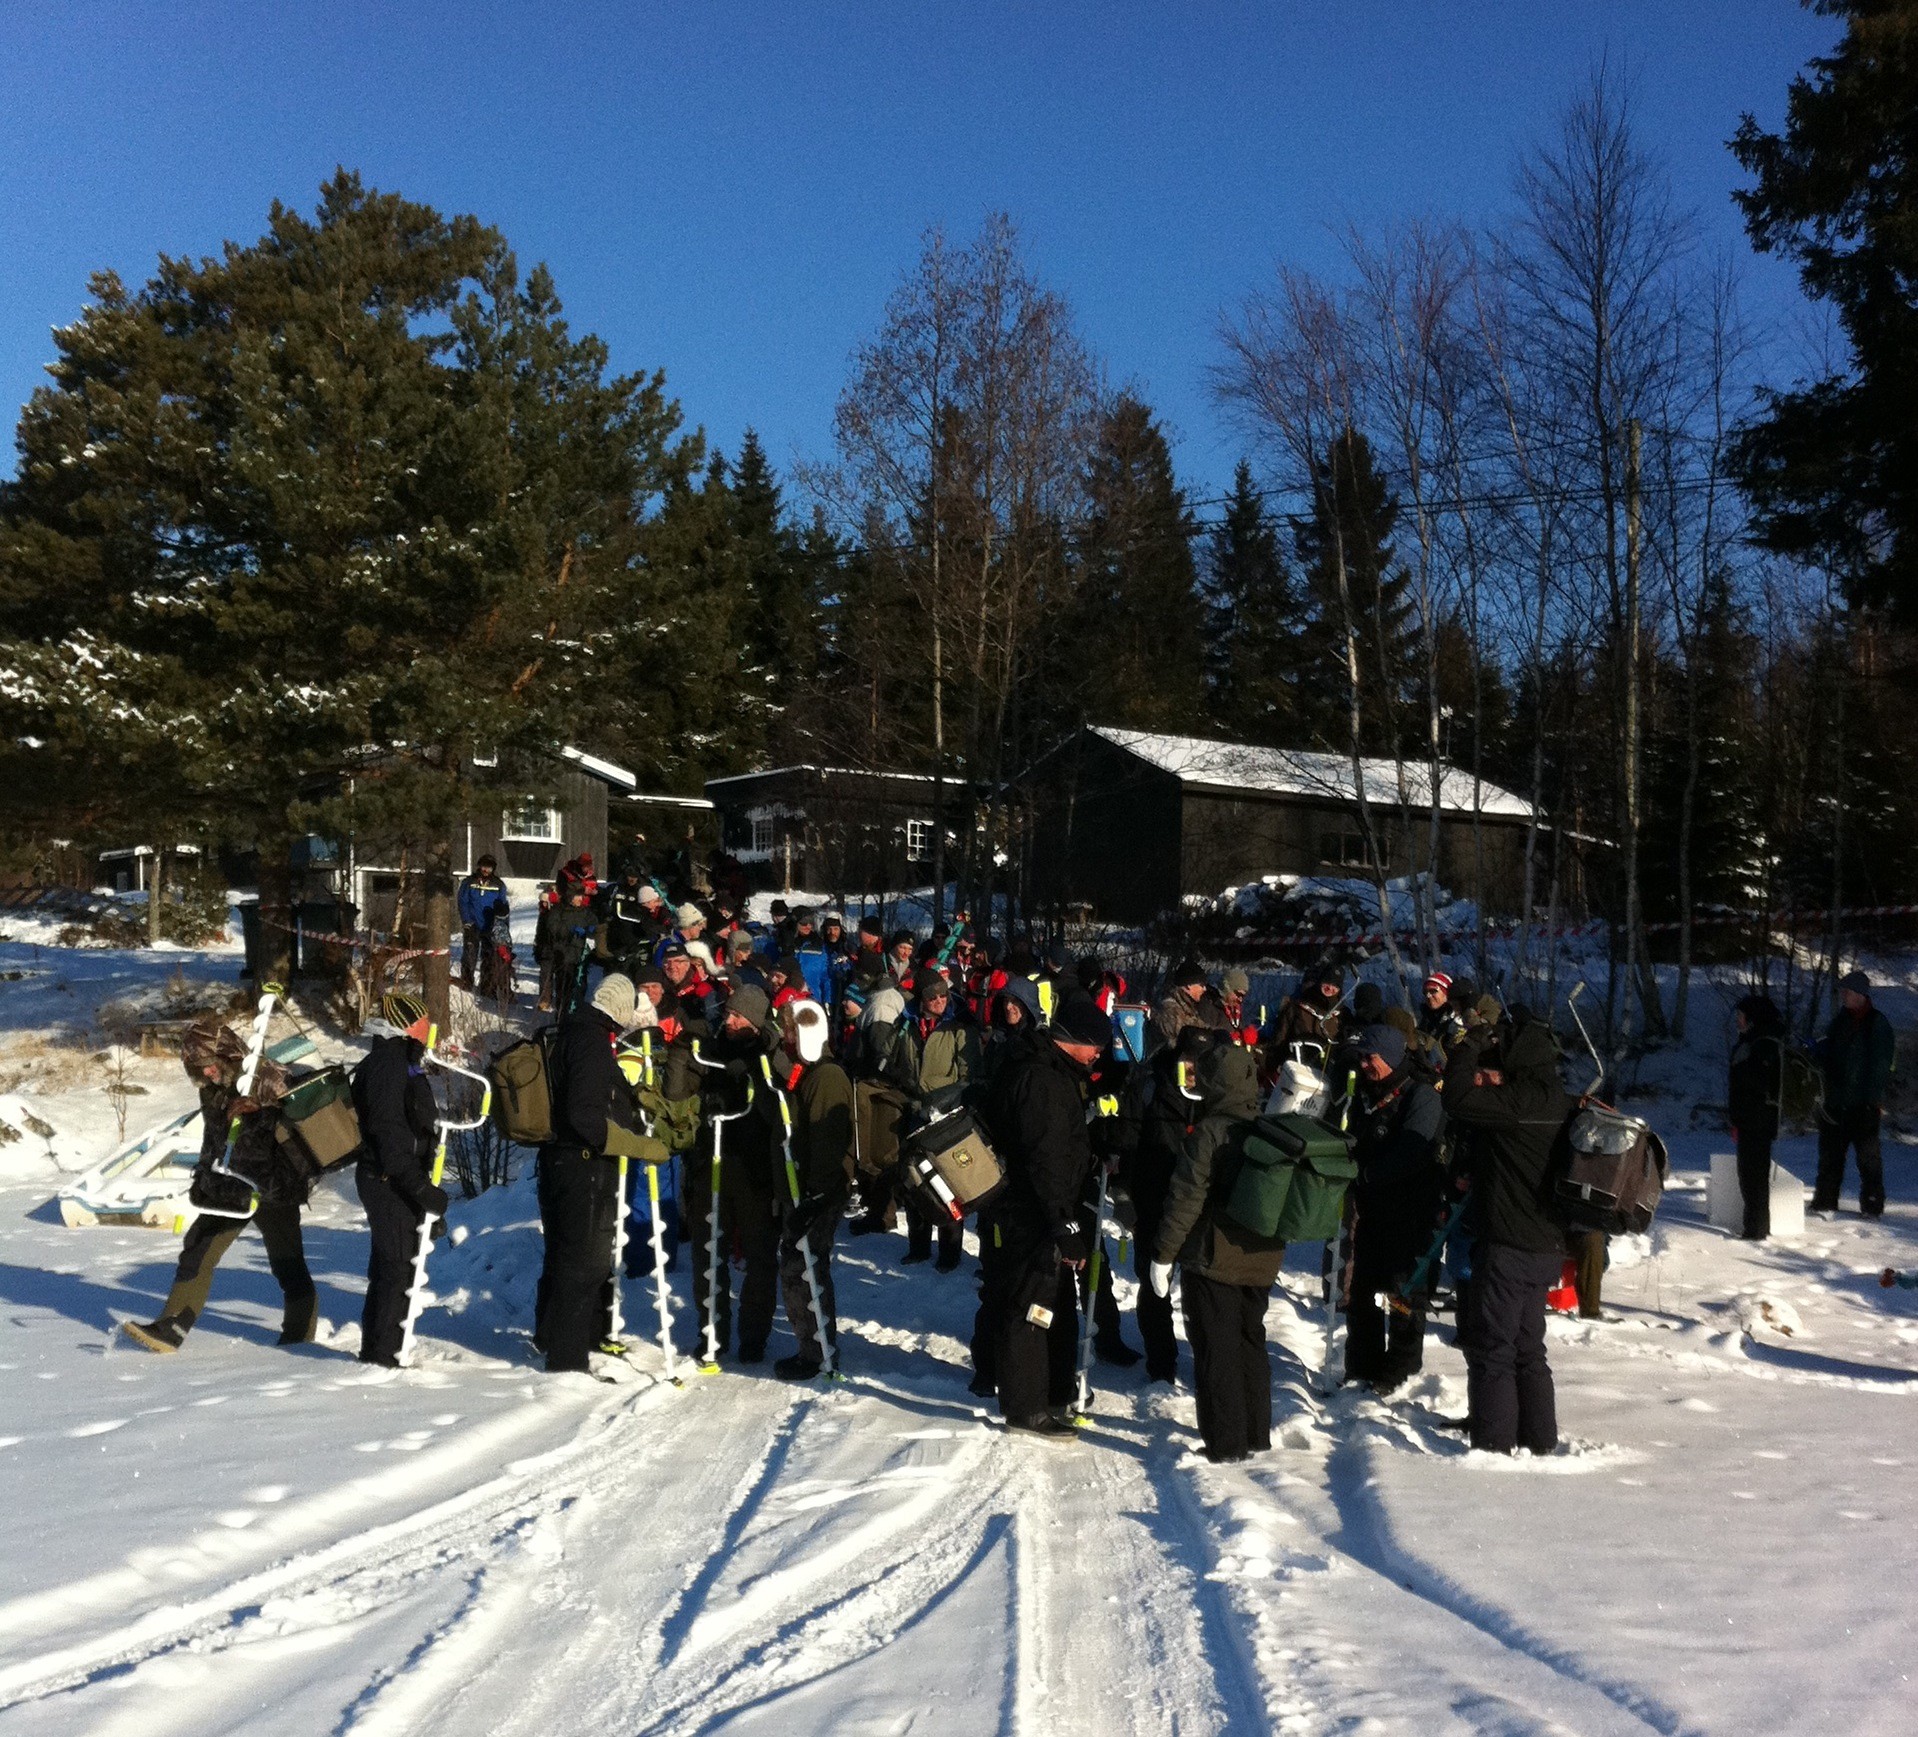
[776, 1075]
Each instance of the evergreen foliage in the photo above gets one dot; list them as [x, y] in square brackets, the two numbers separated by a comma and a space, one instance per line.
[1833, 464]
[1253, 615]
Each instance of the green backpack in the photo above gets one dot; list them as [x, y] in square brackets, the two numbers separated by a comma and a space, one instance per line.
[1293, 1174]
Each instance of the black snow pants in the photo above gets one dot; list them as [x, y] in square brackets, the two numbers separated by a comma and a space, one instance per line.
[1508, 1381]
[798, 1296]
[1754, 1182]
[1838, 1132]
[579, 1206]
[1033, 1361]
[393, 1225]
[1383, 1348]
[1154, 1311]
[746, 1219]
[1231, 1378]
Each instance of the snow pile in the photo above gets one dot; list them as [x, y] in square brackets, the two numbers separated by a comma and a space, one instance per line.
[1281, 910]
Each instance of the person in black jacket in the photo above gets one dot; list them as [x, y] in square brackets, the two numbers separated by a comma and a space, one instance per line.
[630, 922]
[1396, 1123]
[1517, 1108]
[397, 1112]
[1857, 1052]
[579, 1204]
[1030, 1238]
[1753, 1095]
[213, 1057]
[749, 1183]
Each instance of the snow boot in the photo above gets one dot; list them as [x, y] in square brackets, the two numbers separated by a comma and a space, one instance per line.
[797, 1368]
[751, 1354]
[984, 1386]
[915, 1257]
[165, 1335]
[948, 1262]
[1110, 1348]
[1045, 1427]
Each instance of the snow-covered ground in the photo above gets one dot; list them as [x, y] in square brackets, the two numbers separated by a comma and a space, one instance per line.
[243, 1538]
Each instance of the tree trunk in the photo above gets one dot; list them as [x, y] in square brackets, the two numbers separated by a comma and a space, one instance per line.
[156, 889]
[435, 968]
[276, 910]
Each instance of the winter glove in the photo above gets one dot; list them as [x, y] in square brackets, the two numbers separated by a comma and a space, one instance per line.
[1072, 1246]
[1159, 1276]
[431, 1199]
[807, 1210]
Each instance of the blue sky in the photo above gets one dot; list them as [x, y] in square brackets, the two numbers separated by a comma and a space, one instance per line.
[730, 191]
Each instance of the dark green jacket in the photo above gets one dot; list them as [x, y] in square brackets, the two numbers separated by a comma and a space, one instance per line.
[1858, 1052]
[822, 1129]
[1195, 1231]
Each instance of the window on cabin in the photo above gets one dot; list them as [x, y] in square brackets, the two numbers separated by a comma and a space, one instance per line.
[1344, 849]
[530, 822]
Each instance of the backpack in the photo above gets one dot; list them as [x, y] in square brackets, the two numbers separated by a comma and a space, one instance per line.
[521, 1079]
[1612, 1174]
[317, 1127]
[950, 1166]
[1293, 1174]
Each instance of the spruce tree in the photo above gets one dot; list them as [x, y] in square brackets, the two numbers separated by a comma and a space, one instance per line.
[1833, 464]
[1141, 619]
[1253, 617]
[1349, 531]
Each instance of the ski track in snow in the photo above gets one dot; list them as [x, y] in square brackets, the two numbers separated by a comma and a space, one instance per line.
[876, 1555]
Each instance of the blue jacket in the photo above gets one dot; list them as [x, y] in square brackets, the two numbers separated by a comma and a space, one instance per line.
[480, 900]
[815, 965]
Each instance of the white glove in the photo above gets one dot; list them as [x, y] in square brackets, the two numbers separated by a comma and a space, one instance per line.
[1159, 1276]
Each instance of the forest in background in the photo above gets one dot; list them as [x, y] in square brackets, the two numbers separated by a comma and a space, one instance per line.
[1526, 494]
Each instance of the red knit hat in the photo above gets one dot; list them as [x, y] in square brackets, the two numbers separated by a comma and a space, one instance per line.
[1438, 980]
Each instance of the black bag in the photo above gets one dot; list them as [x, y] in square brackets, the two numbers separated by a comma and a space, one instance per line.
[950, 1166]
[1612, 1175]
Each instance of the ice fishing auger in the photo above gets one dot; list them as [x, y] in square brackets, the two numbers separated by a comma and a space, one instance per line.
[417, 1296]
[828, 1352]
[719, 1121]
[662, 1291]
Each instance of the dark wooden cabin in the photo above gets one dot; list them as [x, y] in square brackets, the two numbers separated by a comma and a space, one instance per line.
[1129, 823]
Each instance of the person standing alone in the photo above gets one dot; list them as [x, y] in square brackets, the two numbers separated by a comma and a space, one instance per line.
[1857, 1053]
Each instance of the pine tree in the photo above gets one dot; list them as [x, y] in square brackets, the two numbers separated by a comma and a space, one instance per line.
[1253, 617]
[1349, 531]
[305, 523]
[1138, 602]
[1832, 466]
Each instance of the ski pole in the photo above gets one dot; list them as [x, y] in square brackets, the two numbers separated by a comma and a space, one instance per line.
[417, 1294]
[828, 1353]
[718, 1121]
[1571, 1007]
[1083, 1398]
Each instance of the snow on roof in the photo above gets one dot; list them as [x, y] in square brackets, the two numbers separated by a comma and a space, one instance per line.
[1293, 772]
[602, 769]
[825, 772]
